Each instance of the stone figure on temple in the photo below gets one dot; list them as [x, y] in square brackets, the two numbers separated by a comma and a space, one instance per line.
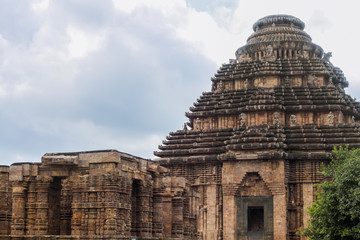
[242, 119]
[331, 119]
[293, 120]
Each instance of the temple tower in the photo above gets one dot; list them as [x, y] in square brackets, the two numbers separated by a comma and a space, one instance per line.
[257, 139]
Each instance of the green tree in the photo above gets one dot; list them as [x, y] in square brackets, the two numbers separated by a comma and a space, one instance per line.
[336, 213]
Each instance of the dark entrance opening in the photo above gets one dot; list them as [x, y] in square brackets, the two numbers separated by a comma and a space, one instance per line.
[255, 220]
[54, 206]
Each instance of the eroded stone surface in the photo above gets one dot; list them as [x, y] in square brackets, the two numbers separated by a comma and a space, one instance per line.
[95, 195]
[273, 116]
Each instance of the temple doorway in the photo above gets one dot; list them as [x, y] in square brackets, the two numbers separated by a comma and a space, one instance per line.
[255, 223]
[255, 218]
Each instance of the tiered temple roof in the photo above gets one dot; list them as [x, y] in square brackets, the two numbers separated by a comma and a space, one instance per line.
[258, 138]
[279, 71]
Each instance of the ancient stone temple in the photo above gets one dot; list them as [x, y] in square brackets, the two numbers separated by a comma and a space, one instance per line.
[243, 167]
[95, 195]
[257, 140]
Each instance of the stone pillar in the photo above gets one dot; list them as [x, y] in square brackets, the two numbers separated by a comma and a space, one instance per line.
[31, 208]
[126, 211]
[280, 222]
[201, 221]
[229, 228]
[211, 226]
[110, 226]
[18, 208]
[308, 193]
[157, 208]
[66, 208]
[177, 228]
[144, 208]
[124, 207]
[167, 218]
[42, 206]
[5, 201]
[194, 215]
[76, 214]
[186, 218]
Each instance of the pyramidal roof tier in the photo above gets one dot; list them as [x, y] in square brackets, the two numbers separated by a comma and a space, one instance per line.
[278, 37]
[281, 89]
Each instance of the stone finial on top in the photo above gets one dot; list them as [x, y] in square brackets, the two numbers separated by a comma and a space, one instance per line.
[278, 20]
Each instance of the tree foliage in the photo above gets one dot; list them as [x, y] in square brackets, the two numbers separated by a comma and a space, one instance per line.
[336, 213]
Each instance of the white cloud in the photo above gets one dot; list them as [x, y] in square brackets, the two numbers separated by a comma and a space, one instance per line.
[40, 5]
[82, 75]
[198, 28]
[201, 30]
[166, 7]
[82, 43]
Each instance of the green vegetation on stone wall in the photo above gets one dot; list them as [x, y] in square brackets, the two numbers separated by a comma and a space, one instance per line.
[336, 213]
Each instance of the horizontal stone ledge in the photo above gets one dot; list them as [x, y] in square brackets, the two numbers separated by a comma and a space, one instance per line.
[196, 140]
[188, 160]
[254, 156]
[193, 145]
[254, 146]
[306, 155]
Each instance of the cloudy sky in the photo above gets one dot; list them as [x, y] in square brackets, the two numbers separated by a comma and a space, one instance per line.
[99, 74]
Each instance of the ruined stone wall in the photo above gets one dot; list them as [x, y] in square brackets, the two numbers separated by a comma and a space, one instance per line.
[5, 201]
[95, 195]
[205, 178]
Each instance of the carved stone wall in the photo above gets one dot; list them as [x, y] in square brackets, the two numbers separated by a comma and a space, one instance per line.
[95, 195]
[257, 139]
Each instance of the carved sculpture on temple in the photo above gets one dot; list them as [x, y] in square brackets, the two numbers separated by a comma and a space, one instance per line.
[240, 55]
[220, 86]
[197, 124]
[276, 119]
[331, 119]
[313, 80]
[242, 117]
[269, 51]
[246, 83]
[293, 120]
[327, 57]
